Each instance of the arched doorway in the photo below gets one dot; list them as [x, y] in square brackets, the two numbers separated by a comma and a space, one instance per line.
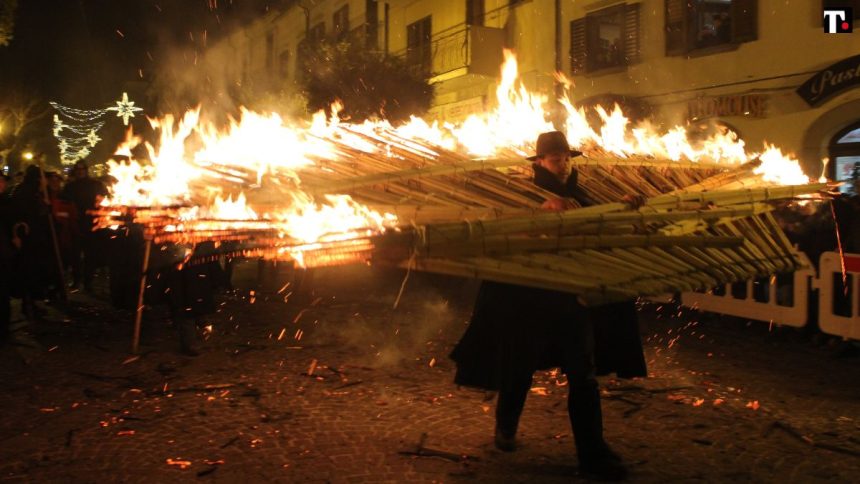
[844, 151]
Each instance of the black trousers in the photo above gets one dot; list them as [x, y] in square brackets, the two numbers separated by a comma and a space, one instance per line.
[583, 400]
[583, 408]
[5, 307]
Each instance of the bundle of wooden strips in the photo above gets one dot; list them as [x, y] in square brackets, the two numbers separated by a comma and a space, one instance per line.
[702, 224]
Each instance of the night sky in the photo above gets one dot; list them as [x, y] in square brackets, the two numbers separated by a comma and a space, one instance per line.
[85, 53]
[82, 52]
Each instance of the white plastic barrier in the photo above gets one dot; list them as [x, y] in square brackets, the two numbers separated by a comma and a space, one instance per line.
[775, 309]
[838, 313]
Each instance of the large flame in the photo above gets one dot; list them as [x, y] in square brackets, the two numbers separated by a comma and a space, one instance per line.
[519, 116]
[195, 164]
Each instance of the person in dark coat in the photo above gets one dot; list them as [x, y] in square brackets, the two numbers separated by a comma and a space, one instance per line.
[86, 192]
[189, 288]
[515, 331]
[9, 244]
[31, 212]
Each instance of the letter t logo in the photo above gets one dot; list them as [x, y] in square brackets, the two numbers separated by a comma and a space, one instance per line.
[838, 20]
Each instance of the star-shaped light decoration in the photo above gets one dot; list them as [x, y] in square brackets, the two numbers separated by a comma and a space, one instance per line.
[58, 125]
[93, 138]
[83, 153]
[124, 109]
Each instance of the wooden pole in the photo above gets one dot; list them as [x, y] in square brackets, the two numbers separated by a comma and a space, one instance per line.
[138, 315]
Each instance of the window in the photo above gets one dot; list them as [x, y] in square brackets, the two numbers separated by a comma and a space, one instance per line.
[845, 157]
[372, 33]
[340, 22]
[303, 53]
[475, 12]
[270, 51]
[418, 49]
[853, 4]
[701, 24]
[317, 33]
[284, 64]
[605, 39]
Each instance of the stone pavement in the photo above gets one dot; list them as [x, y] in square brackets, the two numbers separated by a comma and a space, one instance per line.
[340, 387]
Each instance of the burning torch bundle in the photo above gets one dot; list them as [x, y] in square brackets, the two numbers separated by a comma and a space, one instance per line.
[459, 199]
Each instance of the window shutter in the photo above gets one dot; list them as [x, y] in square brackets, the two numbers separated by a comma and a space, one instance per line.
[577, 46]
[676, 27]
[631, 34]
[744, 20]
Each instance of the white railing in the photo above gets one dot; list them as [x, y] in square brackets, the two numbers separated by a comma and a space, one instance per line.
[775, 301]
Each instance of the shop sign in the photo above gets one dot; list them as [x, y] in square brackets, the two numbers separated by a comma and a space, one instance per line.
[829, 82]
[754, 105]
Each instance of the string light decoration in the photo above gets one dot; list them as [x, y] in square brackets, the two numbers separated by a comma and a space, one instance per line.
[77, 130]
[125, 109]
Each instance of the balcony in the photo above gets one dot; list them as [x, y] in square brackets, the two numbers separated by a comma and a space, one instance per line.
[465, 49]
[469, 50]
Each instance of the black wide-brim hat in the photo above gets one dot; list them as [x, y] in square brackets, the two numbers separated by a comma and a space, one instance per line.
[552, 142]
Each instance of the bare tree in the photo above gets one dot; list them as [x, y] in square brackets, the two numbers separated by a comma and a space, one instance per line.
[19, 113]
[7, 20]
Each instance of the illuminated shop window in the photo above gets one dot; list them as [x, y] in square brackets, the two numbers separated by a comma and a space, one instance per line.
[845, 155]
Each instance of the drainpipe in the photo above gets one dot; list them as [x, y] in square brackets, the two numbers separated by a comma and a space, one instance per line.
[386, 28]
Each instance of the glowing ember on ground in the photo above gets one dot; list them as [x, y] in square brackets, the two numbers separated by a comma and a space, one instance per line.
[182, 464]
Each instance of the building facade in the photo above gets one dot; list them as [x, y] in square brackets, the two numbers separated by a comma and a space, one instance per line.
[764, 68]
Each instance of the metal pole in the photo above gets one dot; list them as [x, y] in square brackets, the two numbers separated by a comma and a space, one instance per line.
[138, 315]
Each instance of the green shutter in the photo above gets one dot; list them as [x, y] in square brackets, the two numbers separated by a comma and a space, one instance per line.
[577, 46]
[676, 27]
[744, 20]
[631, 34]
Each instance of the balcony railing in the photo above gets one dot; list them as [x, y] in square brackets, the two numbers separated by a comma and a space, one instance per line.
[468, 49]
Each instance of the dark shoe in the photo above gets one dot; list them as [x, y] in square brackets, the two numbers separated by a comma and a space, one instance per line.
[189, 351]
[602, 464]
[504, 441]
[187, 337]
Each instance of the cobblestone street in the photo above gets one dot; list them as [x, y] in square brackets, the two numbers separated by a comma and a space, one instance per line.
[340, 387]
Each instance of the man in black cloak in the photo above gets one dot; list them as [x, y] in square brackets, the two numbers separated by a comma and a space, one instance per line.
[518, 330]
[86, 192]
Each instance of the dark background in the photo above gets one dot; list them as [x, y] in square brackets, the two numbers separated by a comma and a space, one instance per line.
[85, 53]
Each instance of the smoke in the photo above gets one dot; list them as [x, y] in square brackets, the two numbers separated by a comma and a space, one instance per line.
[210, 65]
[360, 317]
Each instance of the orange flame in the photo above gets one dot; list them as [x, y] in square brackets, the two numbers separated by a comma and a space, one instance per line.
[193, 160]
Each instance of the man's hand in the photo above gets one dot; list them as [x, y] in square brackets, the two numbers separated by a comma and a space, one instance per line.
[558, 204]
[19, 229]
[635, 201]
